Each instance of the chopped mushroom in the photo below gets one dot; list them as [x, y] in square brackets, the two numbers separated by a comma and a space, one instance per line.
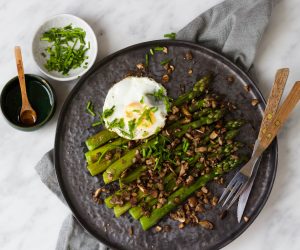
[130, 231]
[201, 149]
[189, 56]
[189, 180]
[246, 219]
[247, 88]
[158, 229]
[192, 201]
[183, 168]
[165, 78]
[140, 66]
[204, 190]
[254, 102]
[175, 110]
[213, 135]
[97, 193]
[206, 224]
[230, 79]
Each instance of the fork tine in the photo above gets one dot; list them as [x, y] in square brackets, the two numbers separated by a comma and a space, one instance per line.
[237, 194]
[232, 192]
[228, 188]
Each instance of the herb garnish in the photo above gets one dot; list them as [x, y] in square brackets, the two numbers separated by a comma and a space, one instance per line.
[159, 95]
[185, 145]
[151, 52]
[145, 133]
[108, 112]
[90, 108]
[145, 115]
[146, 60]
[67, 49]
[159, 151]
[131, 126]
[117, 123]
[170, 35]
[159, 48]
[97, 123]
[166, 61]
[142, 100]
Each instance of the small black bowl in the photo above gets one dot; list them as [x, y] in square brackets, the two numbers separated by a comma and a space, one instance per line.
[41, 97]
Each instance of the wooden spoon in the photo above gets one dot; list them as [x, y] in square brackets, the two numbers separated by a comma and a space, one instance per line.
[27, 114]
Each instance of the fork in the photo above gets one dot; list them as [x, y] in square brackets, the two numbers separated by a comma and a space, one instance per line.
[270, 110]
[239, 182]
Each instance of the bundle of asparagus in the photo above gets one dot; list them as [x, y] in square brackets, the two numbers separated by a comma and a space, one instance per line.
[161, 172]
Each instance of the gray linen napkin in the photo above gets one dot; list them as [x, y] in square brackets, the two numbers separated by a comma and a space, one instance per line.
[233, 28]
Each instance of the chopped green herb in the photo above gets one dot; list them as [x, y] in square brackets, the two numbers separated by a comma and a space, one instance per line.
[145, 133]
[101, 156]
[157, 160]
[142, 100]
[97, 123]
[159, 95]
[117, 123]
[154, 109]
[151, 52]
[108, 112]
[167, 104]
[170, 35]
[144, 152]
[124, 133]
[157, 130]
[185, 145]
[166, 61]
[145, 115]
[121, 123]
[146, 60]
[90, 108]
[131, 126]
[88, 105]
[159, 48]
[67, 49]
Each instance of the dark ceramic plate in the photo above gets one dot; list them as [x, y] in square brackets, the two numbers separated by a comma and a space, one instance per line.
[74, 127]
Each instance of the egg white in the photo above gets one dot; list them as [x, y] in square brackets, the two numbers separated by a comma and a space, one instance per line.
[129, 98]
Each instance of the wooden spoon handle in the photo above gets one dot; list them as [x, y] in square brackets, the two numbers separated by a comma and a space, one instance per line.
[274, 99]
[21, 76]
[281, 117]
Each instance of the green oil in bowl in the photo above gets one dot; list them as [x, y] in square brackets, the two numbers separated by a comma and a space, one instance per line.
[40, 95]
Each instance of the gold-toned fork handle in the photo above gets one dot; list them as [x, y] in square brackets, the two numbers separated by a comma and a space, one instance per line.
[274, 99]
[280, 117]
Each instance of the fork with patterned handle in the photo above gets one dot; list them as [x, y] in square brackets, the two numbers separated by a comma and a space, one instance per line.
[239, 182]
[270, 110]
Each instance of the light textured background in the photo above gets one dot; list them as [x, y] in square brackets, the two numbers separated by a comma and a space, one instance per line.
[30, 216]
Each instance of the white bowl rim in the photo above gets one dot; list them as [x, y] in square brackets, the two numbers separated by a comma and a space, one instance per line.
[65, 79]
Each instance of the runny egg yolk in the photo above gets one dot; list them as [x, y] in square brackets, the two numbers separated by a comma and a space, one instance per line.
[141, 113]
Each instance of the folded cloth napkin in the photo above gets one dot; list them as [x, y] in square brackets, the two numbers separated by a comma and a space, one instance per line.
[233, 28]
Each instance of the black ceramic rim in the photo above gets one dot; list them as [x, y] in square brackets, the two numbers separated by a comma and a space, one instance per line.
[213, 54]
[51, 112]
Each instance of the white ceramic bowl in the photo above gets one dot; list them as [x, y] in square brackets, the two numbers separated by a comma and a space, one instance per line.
[38, 46]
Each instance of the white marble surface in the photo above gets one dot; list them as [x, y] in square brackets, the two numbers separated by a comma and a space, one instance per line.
[30, 216]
